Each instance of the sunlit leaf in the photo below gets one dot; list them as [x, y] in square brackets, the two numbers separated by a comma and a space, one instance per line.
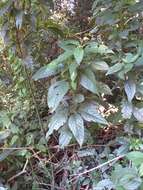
[65, 137]
[56, 93]
[130, 89]
[57, 120]
[78, 54]
[136, 157]
[138, 114]
[88, 81]
[115, 68]
[100, 65]
[127, 110]
[76, 125]
[90, 113]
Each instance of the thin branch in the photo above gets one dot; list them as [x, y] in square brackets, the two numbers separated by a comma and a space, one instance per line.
[99, 166]
[20, 173]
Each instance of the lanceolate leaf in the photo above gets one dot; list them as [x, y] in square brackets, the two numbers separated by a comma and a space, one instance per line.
[63, 57]
[138, 114]
[57, 120]
[78, 54]
[127, 109]
[103, 49]
[88, 81]
[115, 68]
[73, 74]
[100, 65]
[130, 89]
[89, 112]
[47, 71]
[65, 137]
[56, 93]
[76, 125]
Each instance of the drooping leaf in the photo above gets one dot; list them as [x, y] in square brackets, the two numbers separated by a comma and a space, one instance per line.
[136, 157]
[130, 89]
[90, 113]
[127, 110]
[47, 71]
[78, 54]
[100, 65]
[56, 93]
[65, 137]
[115, 68]
[88, 81]
[138, 114]
[76, 125]
[57, 120]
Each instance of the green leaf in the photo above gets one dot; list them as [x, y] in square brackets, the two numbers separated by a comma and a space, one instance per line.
[91, 47]
[63, 57]
[65, 137]
[104, 88]
[46, 71]
[138, 114]
[141, 170]
[130, 58]
[90, 113]
[69, 44]
[4, 135]
[100, 65]
[115, 68]
[57, 120]
[56, 93]
[88, 81]
[78, 54]
[105, 183]
[127, 67]
[73, 74]
[76, 125]
[130, 89]
[127, 110]
[136, 157]
[103, 49]
[129, 181]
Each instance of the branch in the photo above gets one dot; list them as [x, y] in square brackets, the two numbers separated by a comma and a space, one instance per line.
[99, 166]
[20, 173]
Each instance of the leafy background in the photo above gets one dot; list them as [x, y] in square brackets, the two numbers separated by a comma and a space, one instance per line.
[71, 94]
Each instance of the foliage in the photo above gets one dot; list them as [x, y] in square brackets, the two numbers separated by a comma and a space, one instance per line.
[61, 86]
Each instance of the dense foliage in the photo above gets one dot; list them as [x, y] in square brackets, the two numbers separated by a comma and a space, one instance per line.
[71, 98]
